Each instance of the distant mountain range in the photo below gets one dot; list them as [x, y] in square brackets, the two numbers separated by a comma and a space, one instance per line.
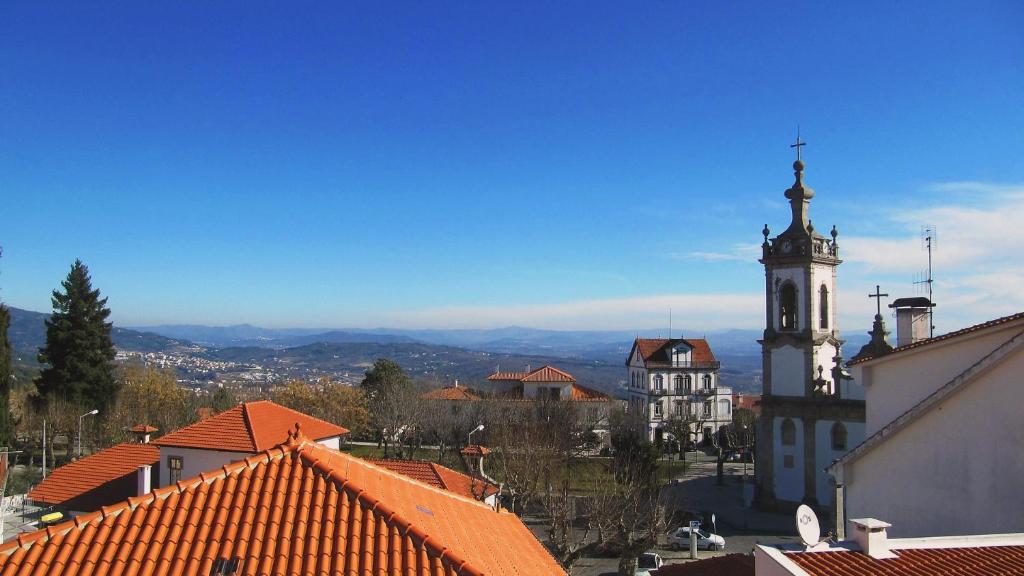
[595, 357]
[27, 334]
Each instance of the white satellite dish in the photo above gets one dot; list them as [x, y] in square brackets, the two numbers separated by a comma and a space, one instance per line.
[807, 525]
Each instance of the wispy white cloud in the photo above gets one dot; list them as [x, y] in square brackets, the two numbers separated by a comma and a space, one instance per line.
[694, 311]
[735, 253]
[978, 260]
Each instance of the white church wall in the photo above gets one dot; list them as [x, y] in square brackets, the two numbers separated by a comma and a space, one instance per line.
[955, 470]
[788, 463]
[822, 275]
[788, 371]
[825, 455]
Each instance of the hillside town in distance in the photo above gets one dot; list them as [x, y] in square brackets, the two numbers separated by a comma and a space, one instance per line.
[669, 471]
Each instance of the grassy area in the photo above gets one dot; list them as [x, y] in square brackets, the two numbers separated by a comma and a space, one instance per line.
[587, 475]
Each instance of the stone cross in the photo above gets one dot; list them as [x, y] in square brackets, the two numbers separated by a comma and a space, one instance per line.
[878, 295]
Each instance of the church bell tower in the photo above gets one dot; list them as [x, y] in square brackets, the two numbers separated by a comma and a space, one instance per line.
[802, 371]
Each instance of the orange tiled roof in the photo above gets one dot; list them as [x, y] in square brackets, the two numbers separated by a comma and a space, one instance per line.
[1005, 560]
[144, 429]
[451, 393]
[249, 427]
[100, 479]
[475, 450]
[584, 394]
[548, 374]
[944, 337]
[507, 376]
[438, 476]
[655, 349]
[296, 509]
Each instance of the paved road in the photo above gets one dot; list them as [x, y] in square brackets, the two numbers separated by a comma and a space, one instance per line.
[741, 527]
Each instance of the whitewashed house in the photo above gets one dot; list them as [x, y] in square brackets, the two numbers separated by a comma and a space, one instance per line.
[945, 434]
[677, 378]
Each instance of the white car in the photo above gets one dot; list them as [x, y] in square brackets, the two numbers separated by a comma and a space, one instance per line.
[647, 562]
[679, 539]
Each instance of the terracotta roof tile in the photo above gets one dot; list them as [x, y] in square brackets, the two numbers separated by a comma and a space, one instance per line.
[548, 373]
[944, 337]
[300, 508]
[655, 350]
[475, 450]
[507, 376]
[451, 393]
[144, 429]
[974, 561]
[584, 394]
[438, 476]
[248, 427]
[103, 478]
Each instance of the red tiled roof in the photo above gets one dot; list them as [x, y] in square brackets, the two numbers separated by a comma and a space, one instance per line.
[728, 565]
[100, 479]
[296, 509]
[249, 427]
[656, 349]
[451, 393]
[144, 429]
[507, 376]
[545, 373]
[943, 337]
[475, 450]
[548, 373]
[438, 476]
[584, 394]
[975, 561]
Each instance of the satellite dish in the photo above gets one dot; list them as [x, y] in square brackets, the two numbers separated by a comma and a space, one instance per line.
[807, 525]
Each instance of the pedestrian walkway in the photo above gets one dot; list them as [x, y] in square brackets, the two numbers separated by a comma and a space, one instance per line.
[699, 490]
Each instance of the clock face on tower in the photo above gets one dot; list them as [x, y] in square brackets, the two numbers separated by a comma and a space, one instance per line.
[787, 246]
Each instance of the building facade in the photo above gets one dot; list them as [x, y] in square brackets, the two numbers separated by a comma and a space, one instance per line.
[677, 379]
[942, 455]
[811, 413]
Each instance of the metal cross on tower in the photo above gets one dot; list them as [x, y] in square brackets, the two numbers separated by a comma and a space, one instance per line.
[799, 144]
[878, 295]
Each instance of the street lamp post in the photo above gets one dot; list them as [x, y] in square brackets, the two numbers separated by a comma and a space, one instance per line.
[89, 413]
[469, 440]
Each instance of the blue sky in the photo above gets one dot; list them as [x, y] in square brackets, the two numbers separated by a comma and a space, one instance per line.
[428, 164]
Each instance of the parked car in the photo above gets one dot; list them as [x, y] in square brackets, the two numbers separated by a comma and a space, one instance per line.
[679, 539]
[647, 562]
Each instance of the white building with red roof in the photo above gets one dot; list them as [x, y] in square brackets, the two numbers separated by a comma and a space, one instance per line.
[944, 434]
[248, 428]
[870, 551]
[677, 378]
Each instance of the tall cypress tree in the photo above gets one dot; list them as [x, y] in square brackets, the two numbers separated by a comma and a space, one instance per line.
[78, 357]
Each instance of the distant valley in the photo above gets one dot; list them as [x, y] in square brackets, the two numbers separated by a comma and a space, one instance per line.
[248, 355]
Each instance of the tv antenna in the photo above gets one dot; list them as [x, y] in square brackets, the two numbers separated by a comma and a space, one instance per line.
[929, 242]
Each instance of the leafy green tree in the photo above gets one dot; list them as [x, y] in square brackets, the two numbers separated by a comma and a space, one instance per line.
[222, 399]
[396, 408]
[79, 354]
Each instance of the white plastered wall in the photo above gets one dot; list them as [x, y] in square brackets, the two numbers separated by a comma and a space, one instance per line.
[789, 482]
[954, 470]
[788, 371]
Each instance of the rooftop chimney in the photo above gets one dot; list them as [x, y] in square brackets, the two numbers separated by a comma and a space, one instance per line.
[144, 480]
[870, 535]
[913, 319]
[142, 432]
